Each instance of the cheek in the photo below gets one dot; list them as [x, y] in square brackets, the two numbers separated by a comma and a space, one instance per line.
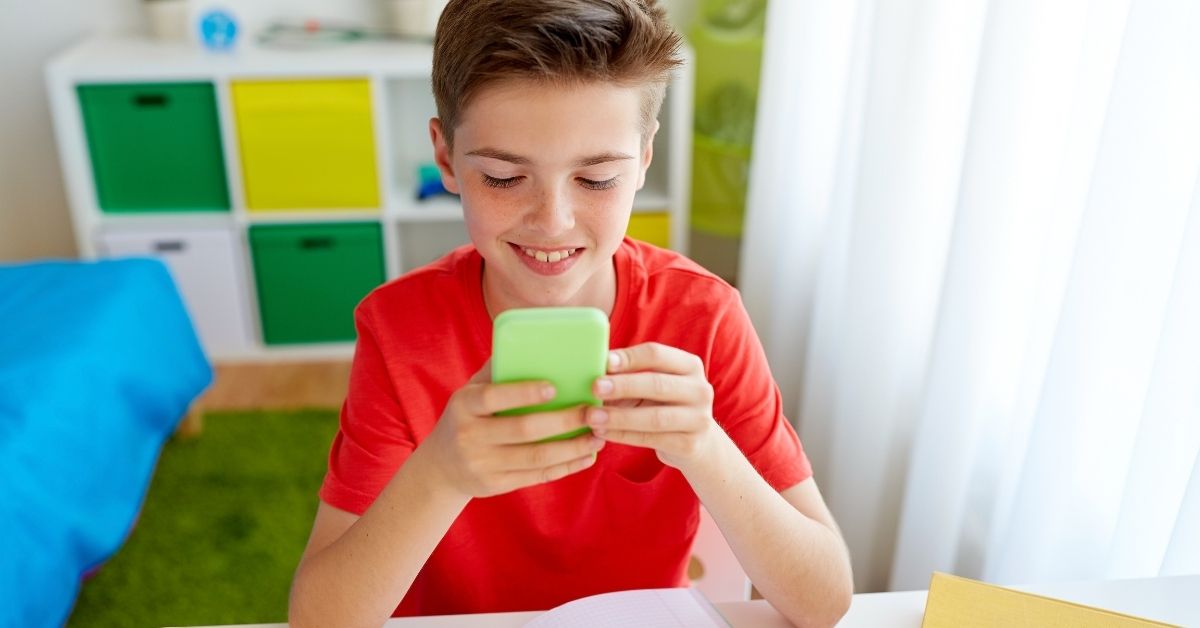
[490, 209]
[607, 211]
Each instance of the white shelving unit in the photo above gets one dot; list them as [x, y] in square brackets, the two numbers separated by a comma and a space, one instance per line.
[217, 278]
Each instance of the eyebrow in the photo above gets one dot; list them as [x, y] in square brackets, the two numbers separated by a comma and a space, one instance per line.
[502, 155]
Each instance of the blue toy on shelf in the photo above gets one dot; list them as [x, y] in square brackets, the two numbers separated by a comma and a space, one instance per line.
[429, 181]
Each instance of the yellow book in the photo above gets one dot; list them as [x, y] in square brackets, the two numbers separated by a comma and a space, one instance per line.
[956, 602]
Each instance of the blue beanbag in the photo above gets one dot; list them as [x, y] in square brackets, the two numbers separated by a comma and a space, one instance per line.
[98, 363]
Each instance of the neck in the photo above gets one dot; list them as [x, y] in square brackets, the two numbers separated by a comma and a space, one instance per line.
[600, 291]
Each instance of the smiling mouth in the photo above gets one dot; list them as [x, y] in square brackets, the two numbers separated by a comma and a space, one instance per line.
[547, 261]
[548, 256]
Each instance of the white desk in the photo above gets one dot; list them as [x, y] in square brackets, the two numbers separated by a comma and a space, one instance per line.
[1174, 600]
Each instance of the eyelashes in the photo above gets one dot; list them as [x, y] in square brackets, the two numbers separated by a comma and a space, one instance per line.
[598, 185]
[493, 182]
[590, 184]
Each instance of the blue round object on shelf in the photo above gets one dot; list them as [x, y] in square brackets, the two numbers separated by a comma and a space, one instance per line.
[218, 30]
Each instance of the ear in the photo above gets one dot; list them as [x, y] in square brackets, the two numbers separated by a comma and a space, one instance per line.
[441, 155]
[647, 155]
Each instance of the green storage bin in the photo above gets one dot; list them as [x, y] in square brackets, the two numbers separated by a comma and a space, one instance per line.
[728, 41]
[720, 181]
[155, 147]
[310, 277]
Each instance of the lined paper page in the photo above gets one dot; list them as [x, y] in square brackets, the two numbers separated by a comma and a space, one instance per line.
[644, 608]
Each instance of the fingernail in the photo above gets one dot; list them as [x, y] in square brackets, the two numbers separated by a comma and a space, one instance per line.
[599, 417]
[604, 386]
[548, 392]
[614, 360]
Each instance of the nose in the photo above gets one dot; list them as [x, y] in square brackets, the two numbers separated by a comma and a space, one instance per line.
[552, 215]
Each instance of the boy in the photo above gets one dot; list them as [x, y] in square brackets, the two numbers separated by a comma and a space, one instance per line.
[546, 120]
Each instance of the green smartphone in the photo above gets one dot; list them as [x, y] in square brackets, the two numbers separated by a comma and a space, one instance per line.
[567, 346]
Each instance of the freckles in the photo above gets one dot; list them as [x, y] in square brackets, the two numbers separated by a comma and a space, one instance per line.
[490, 205]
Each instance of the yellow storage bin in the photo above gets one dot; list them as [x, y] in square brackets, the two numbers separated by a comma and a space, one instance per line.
[306, 144]
[652, 227]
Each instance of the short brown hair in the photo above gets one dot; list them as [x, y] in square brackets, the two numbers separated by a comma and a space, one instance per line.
[626, 42]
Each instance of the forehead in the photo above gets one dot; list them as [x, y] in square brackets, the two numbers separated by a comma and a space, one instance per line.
[544, 120]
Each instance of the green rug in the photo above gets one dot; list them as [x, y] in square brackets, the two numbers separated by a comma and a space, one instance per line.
[222, 528]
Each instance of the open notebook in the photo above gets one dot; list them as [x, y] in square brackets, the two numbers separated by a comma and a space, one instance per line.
[642, 608]
[956, 602]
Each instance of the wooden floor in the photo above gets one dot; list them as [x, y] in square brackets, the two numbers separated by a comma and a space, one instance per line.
[277, 386]
[271, 386]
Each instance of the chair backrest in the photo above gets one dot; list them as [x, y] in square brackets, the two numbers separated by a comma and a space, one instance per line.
[722, 578]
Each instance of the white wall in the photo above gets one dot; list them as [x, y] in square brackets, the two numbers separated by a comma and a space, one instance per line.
[33, 206]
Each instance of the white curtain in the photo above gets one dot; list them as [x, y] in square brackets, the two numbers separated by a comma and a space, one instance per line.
[972, 251]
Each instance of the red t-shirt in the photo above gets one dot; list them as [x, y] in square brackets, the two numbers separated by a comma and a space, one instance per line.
[626, 522]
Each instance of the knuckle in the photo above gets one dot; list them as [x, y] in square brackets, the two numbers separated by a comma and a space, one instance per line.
[487, 397]
[537, 457]
[458, 403]
[523, 429]
[707, 392]
[568, 420]
[659, 418]
[659, 384]
[465, 433]
[696, 362]
[553, 473]
[474, 469]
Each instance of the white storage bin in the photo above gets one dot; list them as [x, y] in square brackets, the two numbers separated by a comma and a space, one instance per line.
[424, 242]
[208, 265]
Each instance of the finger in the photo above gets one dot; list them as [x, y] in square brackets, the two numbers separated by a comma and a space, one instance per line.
[543, 455]
[488, 399]
[654, 386]
[521, 479]
[653, 356]
[659, 441]
[652, 418]
[533, 427]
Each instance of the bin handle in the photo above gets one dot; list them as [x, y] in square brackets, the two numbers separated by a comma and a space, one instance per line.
[169, 246]
[316, 242]
[150, 100]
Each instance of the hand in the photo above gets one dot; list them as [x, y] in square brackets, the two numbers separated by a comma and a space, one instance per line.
[481, 455]
[656, 396]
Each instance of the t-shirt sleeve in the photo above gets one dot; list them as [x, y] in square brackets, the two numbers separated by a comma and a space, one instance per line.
[373, 439]
[747, 403]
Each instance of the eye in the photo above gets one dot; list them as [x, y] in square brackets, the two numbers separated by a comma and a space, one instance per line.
[598, 185]
[500, 183]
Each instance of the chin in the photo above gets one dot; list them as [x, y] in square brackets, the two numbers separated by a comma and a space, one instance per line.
[553, 297]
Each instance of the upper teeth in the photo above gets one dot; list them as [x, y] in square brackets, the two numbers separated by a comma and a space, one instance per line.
[551, 257]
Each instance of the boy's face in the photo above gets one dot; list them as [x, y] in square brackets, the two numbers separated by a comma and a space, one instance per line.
[547, 176]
